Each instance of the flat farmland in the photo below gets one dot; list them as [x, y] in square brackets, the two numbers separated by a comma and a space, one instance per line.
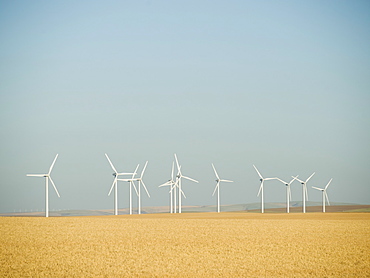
[187, 245]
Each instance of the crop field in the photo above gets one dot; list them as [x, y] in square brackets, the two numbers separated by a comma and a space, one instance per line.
[187, 245]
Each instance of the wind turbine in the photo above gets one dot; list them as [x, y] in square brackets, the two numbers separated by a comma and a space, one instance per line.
[324, 195]
[288, 192]
[132, 184]
[262, 179]
[173, 189]
[47, 178]
[114, 184]
[304, 190]
[176, 185]
[178, 181]
[171, 184]
[218, 187]
[140, 180]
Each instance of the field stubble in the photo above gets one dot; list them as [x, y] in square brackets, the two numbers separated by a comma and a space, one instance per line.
[187, 245]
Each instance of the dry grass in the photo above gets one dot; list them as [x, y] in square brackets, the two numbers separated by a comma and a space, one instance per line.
[187, 245]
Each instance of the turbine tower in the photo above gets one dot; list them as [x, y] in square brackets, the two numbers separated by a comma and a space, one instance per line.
[115, 182]
[304, 191]
[262, 179]
[324, 195]
[218, 180]
[178, 181]
[47, 178]
[288, 192]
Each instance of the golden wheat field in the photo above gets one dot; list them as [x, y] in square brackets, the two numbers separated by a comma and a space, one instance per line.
[187, 245]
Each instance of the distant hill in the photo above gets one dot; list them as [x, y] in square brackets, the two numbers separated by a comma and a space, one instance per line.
[296, 207]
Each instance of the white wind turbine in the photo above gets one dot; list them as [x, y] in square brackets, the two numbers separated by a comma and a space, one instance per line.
[304, 191]
[178, 181]
[324, 195]
[262, 179]
[179, 190]
[218, 187]
[115, 182]
[288, 192]
[140, 180]
[132, 184]
[171, 183]
[47, 178]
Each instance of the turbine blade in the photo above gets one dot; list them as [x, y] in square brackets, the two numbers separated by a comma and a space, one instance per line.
[310, 177]
[217, 185]
[165, 184]
[281, 181]
[190, 179]
[328, 184]
[173, 166]
[111, 164]
[226, 180]
[258, 172]
[52, 165]
[183, 194]
[177, 163]
[172, 187]
[56, 190]
[305, 188]
[317, 188]
[142, 172]
[294, 178]
[298, 179]
[214, 169]
[125, 179]
[145, 188]
[327, 198]
[268, 179]
[259, 191]
[132, 182]
[114, 182]
[134, 174]
[290, 193]
[124, 174]
[179, 172]
[35, 175]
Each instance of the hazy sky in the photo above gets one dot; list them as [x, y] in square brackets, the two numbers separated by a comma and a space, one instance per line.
[284, 85]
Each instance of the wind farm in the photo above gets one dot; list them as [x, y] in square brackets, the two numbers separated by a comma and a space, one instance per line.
[253, 235]
[175, 188]
[185, 139]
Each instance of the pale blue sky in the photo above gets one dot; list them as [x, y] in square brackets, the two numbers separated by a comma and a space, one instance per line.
[284, 85]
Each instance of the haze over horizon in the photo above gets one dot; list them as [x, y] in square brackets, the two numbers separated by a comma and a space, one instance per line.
[283, 85]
